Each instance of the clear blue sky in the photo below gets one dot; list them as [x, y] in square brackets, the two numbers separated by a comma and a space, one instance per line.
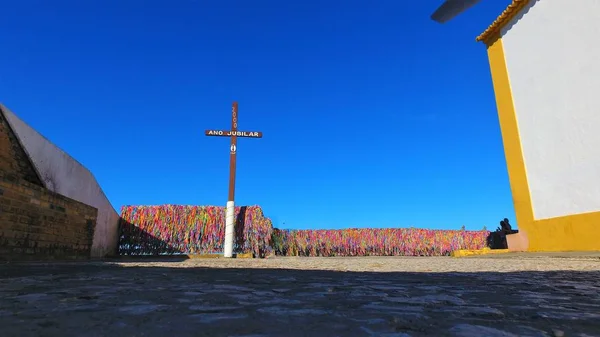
[373, 115]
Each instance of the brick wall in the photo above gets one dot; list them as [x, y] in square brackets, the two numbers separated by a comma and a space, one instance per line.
[36, 223]
[12, 156]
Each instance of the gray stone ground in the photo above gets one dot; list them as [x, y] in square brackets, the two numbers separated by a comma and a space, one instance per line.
[369, 296]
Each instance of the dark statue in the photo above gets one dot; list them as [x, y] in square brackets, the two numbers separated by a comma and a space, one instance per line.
[504, 225]
[497, 239]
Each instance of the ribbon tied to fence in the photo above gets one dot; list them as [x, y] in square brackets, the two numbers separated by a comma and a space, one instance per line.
[174, 229]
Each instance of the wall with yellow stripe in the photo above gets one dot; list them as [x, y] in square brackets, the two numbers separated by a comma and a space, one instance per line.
[547, 116]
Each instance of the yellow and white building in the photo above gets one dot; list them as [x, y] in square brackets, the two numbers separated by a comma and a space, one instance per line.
[545, 62]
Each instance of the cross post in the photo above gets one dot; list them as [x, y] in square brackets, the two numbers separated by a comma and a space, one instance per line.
[230, 209]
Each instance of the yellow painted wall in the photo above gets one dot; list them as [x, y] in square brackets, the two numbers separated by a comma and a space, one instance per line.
[580, 232]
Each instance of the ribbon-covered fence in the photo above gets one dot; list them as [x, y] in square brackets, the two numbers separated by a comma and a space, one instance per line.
[171, 229]
[375, 242]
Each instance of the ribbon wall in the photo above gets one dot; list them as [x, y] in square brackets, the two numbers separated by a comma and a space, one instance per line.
[171, 229]
[375, 242]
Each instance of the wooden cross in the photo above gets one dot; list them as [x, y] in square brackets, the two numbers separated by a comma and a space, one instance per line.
[230, 210]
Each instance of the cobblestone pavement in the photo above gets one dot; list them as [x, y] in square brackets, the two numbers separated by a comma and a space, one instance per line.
[385, 296]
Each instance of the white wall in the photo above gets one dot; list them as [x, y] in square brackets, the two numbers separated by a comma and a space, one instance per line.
[64, 175]
[552, 56]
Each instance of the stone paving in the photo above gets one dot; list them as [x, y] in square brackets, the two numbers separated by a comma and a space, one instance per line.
[370, 296]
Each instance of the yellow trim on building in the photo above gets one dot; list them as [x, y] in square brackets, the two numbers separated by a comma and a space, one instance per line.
[578, 232]
[502, 20]
[510, 133]
[476, 252]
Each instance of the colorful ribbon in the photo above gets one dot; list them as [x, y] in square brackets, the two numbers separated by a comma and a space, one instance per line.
[172, 229]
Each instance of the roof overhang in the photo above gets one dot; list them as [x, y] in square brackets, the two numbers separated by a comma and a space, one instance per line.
[493, 31]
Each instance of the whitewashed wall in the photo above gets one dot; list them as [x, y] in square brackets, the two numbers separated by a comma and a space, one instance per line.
[553, 56]
[63, 174]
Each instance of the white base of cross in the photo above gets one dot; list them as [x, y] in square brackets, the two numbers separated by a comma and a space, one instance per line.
[229, 229]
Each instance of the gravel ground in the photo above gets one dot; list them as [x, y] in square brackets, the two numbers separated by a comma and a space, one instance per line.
[488, 263]
[369, 296]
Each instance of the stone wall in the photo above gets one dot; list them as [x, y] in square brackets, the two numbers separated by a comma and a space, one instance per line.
[36, 223]
[13, 158]
[63, 174]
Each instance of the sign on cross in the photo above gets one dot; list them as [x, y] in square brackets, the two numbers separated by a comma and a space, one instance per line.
[230, 209]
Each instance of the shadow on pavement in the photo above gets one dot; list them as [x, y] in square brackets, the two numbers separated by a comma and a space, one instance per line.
[105, 299]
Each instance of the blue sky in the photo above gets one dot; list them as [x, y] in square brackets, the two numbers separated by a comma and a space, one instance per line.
[373, 115]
